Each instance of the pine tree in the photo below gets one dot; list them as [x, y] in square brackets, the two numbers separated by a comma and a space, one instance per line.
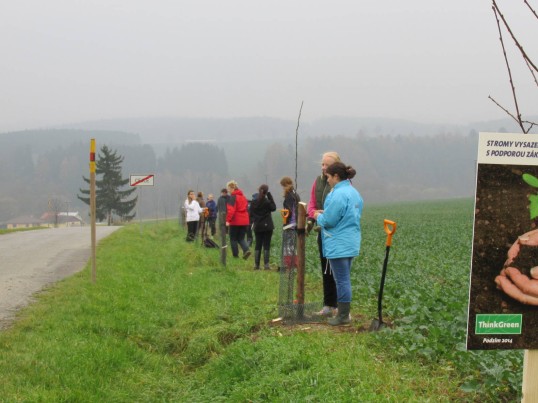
[110, 199]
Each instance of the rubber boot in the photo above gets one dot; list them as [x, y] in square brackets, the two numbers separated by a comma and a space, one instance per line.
[342, 318]
[257, 255]
[266, 254]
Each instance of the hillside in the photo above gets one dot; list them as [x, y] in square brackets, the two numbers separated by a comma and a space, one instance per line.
[395, 160]
[176, 130]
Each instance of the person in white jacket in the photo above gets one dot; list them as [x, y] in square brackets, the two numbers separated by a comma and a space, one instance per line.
[192, 214]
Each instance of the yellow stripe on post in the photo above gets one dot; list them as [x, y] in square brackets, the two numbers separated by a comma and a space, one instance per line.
[92, 155]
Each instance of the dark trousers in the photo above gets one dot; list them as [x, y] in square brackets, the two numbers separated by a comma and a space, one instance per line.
[263, 240]
[249, 234]
[192, 227]
[237, 236]
[212, 221]
[329, 285]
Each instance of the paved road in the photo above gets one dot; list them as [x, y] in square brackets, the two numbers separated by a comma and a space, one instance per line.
[29, 260]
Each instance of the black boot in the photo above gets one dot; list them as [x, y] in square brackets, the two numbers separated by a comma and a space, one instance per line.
[257, 255]
[266, 254]
[342, 318]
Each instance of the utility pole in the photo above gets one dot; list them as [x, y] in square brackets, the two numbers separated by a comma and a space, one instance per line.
[67, 212]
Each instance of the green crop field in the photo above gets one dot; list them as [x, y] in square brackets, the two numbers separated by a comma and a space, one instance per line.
[426, 291]
[165, 321]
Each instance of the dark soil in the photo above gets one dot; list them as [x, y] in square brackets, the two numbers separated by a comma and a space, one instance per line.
[501, 215]
[526, 259]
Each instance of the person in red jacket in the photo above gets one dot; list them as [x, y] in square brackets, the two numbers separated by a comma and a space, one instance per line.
[237, 219]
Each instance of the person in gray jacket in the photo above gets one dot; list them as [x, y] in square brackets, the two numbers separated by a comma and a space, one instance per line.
[318, 194]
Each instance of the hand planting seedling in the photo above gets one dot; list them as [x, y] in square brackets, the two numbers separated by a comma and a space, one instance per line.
[519, 276]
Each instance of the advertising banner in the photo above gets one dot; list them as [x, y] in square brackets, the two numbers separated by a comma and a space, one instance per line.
[503, 295]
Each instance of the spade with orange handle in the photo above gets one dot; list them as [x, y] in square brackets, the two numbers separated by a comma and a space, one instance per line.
[390, 229]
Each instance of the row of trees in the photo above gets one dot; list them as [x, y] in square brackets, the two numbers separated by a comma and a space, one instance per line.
[389, 169]
[382, 172]
[36, 172]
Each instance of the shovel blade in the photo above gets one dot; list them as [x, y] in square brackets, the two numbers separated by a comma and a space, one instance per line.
[377, 325]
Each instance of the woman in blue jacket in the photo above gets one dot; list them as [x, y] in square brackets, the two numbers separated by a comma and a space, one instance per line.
[341, 233]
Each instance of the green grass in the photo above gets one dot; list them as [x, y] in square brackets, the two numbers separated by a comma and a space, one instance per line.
[166, 322]
[11, 230]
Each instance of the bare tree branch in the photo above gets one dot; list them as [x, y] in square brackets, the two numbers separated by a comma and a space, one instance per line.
[532, 73]
[504, 109]
[497, 13]
[523, 53]
[532, 11]
[520, 122]
[531, 125]
[296, 138]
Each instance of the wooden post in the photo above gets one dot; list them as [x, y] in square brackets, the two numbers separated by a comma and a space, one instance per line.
[139, 201]
[92, 207]
[530, 372]
[301, 251]
[222, 230]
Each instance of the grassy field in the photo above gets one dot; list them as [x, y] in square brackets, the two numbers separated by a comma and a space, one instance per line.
[166, 322]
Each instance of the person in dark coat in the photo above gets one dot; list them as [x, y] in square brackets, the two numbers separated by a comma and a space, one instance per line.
[212, 216]
[222, 210]
[261, 209]
[289, 230]
[249, 228]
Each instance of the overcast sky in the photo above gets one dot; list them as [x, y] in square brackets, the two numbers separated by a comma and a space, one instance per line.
[430, 61]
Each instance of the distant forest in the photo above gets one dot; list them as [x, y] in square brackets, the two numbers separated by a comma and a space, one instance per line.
[40, 165]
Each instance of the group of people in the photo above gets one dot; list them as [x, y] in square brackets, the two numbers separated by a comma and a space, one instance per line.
[334, 211]
[198, 212]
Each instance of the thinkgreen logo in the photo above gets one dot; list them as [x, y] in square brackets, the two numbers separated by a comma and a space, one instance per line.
[498, 324]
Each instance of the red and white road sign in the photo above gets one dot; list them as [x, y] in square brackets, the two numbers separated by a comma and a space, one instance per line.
[141, 180]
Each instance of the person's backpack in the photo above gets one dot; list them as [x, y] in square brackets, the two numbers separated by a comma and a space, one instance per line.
[209, 243]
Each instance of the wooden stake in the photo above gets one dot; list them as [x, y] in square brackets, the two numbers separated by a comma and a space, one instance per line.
[301, 251]
[222, 230]
[530, 372]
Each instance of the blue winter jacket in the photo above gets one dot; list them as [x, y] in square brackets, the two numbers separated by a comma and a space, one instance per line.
[340, 222]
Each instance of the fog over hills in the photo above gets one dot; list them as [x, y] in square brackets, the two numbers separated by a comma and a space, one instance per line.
[176, 130]
[397, 160]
